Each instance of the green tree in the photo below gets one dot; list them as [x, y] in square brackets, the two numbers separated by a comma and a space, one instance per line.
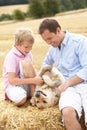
[86, 2]
[50, 7]
[36, 8]
[65, 5]
[5, 17]
[78, 4]
[18, 15]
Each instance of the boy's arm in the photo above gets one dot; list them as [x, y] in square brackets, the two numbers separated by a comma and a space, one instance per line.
[19, 81]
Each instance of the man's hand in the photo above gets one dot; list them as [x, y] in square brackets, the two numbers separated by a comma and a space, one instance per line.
[63, 87]
[70, 82]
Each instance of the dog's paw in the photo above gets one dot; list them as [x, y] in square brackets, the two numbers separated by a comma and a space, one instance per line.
[58, 82]
[32, 102]
[48, 81]
[44, 69]
[47, 67]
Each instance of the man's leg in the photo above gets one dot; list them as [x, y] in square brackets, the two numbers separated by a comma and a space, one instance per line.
[70, 119]
[70, 105]
[84, 101]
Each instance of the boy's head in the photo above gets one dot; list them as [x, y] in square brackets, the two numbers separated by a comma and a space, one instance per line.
[23, 35]
[24, 40]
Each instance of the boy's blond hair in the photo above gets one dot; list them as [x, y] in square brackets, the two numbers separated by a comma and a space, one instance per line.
[23, 34]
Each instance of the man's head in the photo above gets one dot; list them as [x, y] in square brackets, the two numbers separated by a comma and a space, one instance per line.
[24, 40]
[50, 30]
[49, 24]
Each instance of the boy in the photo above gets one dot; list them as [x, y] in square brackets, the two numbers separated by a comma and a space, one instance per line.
[18, 72]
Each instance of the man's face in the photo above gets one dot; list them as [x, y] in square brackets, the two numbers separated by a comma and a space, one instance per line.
[52, 38]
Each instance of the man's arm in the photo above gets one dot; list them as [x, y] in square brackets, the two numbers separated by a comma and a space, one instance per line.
[69, 83]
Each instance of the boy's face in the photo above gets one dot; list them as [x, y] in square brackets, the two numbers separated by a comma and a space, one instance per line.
[25, 47]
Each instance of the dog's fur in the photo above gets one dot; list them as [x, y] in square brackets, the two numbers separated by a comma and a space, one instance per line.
[46, 95]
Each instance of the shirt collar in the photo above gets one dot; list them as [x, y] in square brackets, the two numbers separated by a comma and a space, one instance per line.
[65, 41]
[17, 52]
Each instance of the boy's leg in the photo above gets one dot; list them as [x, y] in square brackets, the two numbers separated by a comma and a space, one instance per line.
[29, 72]
[17, 95]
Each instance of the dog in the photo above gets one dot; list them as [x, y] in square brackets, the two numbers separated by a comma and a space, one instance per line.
[46, 95]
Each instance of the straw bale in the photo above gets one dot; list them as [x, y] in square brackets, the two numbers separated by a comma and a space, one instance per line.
[28, 117]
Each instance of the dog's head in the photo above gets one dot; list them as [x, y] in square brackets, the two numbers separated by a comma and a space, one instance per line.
[44, 97]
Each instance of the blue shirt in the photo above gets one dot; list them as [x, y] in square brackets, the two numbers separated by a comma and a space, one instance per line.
[71, 59]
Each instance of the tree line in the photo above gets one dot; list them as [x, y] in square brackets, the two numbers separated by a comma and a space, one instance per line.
[44, 8]
[41, 8]
[12, 2]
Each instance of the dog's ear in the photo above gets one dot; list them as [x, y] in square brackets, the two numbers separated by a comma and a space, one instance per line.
[51, 83]
[44, 69]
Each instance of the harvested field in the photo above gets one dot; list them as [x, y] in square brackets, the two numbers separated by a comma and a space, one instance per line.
[10, 8]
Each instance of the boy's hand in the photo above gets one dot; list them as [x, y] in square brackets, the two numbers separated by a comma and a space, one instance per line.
[38, 80]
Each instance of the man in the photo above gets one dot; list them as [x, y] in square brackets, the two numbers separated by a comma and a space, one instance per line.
[68, 52]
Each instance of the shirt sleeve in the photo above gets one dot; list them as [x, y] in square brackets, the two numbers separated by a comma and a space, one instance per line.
[48, 60]
[10, 64]
[82, 55]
